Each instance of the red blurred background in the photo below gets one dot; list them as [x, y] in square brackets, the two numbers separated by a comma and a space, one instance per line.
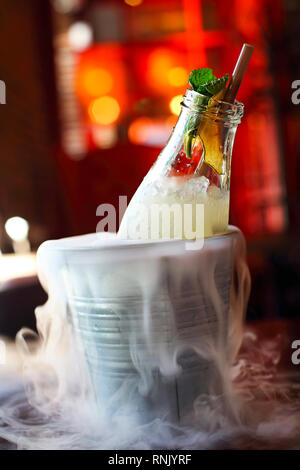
[92, 93]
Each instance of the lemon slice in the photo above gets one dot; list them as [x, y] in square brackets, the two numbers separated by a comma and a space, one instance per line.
[211, 136]
[212, 153]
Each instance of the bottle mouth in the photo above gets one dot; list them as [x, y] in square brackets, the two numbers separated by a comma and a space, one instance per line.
[214, 108]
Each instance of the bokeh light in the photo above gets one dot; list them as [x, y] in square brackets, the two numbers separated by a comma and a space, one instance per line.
[104, 110]
[161, 61]
[133, 3]
[177, 76]
[175, 104]
[149, 131]
[97, 81]
[80, 35]
[105, 137]
[138, 130]
[17, 228]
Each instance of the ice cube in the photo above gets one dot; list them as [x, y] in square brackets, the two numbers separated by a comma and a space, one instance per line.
[194, 186]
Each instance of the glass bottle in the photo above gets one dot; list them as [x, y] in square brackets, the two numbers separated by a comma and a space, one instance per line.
[193, 168]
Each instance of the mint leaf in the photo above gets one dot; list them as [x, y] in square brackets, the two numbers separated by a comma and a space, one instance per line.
[204, 82]
[217, 85]
[199, 77]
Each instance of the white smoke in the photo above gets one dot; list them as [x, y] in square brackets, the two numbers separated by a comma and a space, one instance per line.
[161, 332]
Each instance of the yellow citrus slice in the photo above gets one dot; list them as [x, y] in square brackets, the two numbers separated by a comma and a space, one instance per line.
[213, 154]
[211, 136]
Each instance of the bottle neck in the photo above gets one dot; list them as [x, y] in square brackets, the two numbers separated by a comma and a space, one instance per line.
[215, 122]
[195, 108]
[228, 113]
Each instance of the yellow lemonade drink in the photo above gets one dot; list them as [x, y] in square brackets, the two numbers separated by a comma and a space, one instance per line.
[174, 207]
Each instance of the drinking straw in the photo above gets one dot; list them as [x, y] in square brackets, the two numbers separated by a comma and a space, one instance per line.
[238, 73]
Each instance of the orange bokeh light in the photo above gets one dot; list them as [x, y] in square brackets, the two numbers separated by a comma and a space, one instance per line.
[96, 72]
[104, 110]
[177, 76]
[165, 68]
[138, 130]
[97, 81]
[160, 63]
[149, 131]
[133, 3]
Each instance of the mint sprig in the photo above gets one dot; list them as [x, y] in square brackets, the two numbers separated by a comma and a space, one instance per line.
[200, 77]
[204, 82]
[217, 85]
